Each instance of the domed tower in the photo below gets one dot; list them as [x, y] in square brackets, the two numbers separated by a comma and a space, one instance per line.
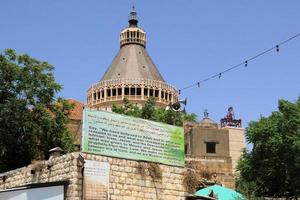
[132, 74]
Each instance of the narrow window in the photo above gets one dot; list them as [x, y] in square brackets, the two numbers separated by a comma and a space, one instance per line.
[132, 91]
[114, 92]
[156, 93]
[126, 91]
[138, 91]
[95, 96]
[119, 91]
[108, 92]
[185, 148]
[102, 94]
[210, 147]
[151, 92]
[146, 92]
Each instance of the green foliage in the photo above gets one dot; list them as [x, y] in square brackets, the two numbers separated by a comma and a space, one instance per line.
[127, 109]
[148, 111]
[32, 120]
[272, 168]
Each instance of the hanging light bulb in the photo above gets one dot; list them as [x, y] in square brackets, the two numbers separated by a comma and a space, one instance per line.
[277, 48]
[246, 63]
[220, 75]
[198, 83]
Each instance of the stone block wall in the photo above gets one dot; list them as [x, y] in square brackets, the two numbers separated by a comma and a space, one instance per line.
[128, 179]
[217, 169]
[131, 180]
[237, 144]
[64, 168]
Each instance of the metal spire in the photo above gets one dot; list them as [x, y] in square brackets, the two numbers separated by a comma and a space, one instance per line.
[133, 19]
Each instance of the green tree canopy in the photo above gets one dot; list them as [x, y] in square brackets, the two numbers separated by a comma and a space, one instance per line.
[272, 168]
[149, 111]
[32, 121]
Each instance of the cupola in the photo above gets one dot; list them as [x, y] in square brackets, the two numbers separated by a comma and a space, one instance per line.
[133, 34]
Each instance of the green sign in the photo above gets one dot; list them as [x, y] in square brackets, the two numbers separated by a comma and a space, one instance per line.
[111, 134]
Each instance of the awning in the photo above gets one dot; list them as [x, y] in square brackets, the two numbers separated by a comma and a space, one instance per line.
[220, 193]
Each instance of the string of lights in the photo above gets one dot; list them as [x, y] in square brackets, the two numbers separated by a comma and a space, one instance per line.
[244, 63]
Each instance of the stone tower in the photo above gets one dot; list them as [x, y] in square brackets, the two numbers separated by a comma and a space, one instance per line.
[213, 142]
[132, 74]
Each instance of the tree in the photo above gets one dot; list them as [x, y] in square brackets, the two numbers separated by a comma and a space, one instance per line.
[272, 168]
[148, 111]
[32, 121]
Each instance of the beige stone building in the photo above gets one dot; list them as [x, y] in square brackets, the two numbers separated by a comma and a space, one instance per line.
[208, 140]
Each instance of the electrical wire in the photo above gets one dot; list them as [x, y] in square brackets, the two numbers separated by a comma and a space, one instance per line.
[244, 63]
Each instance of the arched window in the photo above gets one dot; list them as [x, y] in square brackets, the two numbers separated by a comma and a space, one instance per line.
[108, 92]
[138, 91]
[126, 91]
[151, 92]
[145, 91]
[114, 92]
[119, 91]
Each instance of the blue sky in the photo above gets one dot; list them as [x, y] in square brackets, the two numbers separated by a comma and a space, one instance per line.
[188, 41]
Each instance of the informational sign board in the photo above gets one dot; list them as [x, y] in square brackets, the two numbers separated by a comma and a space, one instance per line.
[96, 180]
[116, 135]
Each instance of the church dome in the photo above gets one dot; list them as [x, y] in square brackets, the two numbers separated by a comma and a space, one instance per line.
[132, 74]
[206, 122]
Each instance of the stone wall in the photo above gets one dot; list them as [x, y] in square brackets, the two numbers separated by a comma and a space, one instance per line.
[237, 144]
[64, 168]
[214, 169]
[128, 179]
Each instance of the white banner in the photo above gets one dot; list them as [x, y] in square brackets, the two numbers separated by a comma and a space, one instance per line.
[96, 179]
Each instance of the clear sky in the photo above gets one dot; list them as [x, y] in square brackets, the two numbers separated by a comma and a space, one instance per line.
[188, 41]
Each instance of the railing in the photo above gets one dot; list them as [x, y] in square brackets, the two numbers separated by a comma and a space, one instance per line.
[132, 81]
[94, 96]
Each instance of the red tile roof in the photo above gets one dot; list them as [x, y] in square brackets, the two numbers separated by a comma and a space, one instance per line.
[76, 112]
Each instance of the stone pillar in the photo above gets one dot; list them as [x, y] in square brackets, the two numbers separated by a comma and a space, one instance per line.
[123, 91]
[142, 92]
[105, 93]
[159, 94]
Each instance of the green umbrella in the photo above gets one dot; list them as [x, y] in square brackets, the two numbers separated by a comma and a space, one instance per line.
[222, 193]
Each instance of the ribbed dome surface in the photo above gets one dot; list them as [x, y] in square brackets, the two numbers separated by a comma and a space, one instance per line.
[132, 61]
